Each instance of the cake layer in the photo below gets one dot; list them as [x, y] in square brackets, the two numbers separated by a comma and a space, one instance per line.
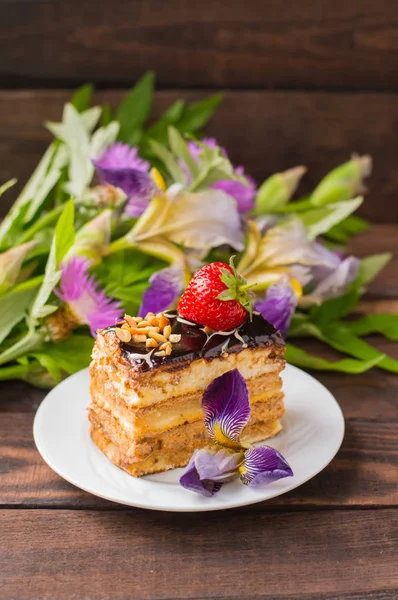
[137, 449]
[173, 449]
[160, 417]
[165, 382]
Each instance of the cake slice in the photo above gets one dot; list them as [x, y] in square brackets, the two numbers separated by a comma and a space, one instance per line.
[148, 377]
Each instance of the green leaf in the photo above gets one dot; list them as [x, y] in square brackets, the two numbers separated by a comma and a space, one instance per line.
[169, 161]
[348, 228]
[62, 240]
[277, 190]
[320, 220]
[335, 308]
[13, 308]
[371, 266]
[180, 149]
[106, 115]
[11, 263]
[387, 325]
[342, 183]
[297, 356]
[75, 131]
[339, 337]
[16, 216]
[68, 356]
[23, 345]
[173, 113]
[89, 118]
[158, 131]
[102, 138]
[6, 186]
[197, 114]
[135, 108]
[65, 231]
[81, 99]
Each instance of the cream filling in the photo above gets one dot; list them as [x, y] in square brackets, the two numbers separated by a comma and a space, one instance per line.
[158, 386]
[156, 421]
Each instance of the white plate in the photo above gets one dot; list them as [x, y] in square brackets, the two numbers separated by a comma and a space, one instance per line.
[313, 429]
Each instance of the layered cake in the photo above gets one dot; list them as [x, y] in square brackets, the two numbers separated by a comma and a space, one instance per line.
[148, 376]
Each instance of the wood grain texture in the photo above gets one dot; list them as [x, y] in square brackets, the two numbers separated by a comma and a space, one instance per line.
[265, 131]
[137, 554]
[278, 43]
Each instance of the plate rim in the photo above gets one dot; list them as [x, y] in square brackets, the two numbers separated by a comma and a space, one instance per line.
[193, 509]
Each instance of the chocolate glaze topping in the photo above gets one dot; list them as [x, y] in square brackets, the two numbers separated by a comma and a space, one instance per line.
[196, 343]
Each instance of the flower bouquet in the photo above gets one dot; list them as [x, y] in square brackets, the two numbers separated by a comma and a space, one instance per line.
[118, 215]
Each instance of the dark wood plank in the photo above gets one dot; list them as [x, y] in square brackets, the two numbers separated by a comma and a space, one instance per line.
[137, 554]
[265, 131]
[317, 45]
[362, 474]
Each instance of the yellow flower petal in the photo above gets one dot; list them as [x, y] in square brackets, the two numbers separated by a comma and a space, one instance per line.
[158, 179]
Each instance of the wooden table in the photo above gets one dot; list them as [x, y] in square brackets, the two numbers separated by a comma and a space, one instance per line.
[336, 537]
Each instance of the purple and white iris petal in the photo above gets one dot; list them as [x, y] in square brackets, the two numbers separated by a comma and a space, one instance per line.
[165, 287]
[226, 408]
[333, 283]
[262, 466]
[243, 194]
[88, 303]
[206, 472]
[191, 480]
[122, 156]
[279, 305]
[220, 467]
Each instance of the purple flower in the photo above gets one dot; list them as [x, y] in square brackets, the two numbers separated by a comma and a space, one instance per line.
[279, 304]
[121, 167]
[122, 156]
[226, 408]
[262, 466]
[243, 194]
[165, 287]
[332, 282]
[87, 302]
[226, 411]
[206, 472]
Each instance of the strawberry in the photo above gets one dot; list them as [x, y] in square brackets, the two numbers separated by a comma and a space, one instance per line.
[216, 297]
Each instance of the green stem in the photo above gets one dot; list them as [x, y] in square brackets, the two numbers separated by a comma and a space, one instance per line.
[298, 206]
[117, 246]
[44, 221]
[14, 372]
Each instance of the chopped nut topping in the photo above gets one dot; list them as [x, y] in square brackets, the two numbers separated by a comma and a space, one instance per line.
[143, 330]
[123, 334]
[139, 338]
[157, 336]
[163, 322]
[154, 331]
[153, 321]
[151, 343]
[144, 323]
[130, 321]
